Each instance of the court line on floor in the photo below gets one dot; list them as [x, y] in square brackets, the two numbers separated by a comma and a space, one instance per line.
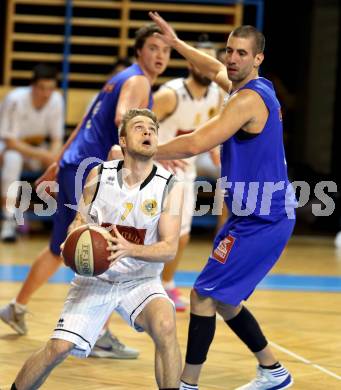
[304, 360]
[287, 351]
[320, 283]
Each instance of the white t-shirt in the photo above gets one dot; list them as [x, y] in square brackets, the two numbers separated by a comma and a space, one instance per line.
[20, 120]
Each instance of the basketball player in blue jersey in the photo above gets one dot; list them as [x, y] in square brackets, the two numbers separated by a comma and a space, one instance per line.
[258, 195]
[93, 138]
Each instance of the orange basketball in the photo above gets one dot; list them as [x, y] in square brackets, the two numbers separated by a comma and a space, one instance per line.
[85, 250]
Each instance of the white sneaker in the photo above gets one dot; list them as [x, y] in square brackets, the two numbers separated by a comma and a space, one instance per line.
[276, 379]
[14, 319]
[9, 230]
[109, 346]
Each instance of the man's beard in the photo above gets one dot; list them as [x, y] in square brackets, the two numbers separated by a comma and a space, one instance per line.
[143, 155]
[202, 80]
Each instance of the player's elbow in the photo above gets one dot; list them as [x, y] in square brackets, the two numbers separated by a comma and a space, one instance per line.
[170, 253]
[10, 143]
[118, 119]
[194, 147]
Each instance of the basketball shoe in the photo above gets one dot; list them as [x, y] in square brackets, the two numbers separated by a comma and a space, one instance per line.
[109, 346]
[14, 318]
[8, 230]
[279, 378]
[175, 296]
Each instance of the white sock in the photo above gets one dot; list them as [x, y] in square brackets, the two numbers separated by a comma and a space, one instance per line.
[186, 386]
[19, 307]
[169, 285]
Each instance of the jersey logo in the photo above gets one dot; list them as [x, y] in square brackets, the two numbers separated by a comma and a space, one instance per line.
[60, 323]
[130, 233]
[95, 109]
[183, 132]
[128, 206]
[108, 88]
[222, 251]
[110, 180]
[149, 207]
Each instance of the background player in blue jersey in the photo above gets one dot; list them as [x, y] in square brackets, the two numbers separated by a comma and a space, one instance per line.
[249, 128]
[93, 138]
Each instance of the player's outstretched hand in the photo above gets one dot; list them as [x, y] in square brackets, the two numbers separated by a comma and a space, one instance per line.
[174, 165]
[168, 34]
[115, 153]
[50, 174]
[119, 247]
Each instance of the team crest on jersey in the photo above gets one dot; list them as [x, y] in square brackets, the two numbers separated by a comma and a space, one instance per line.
[212, 112]
[149, 207]
[222, 251]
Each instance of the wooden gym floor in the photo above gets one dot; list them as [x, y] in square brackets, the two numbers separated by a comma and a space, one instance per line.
[302, 319]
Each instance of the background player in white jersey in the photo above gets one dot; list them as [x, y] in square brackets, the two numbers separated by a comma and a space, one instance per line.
[143, 209]
[181, 105]
[29, 116]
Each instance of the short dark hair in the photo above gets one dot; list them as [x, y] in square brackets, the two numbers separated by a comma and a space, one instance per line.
[248, 31]
[142, 34]
[130, 114]
[204, 42]
[121, 61]
[43, 71]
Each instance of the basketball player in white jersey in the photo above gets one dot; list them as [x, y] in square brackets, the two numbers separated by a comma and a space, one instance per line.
[181, 105]
[142, 202]
[29, 115]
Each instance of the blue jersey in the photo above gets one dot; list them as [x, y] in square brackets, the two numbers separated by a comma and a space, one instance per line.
[255, 166]
[98, 132]
[262, 203]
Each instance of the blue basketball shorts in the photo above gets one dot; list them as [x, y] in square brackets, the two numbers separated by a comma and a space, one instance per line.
[65, 214]
[244, 251]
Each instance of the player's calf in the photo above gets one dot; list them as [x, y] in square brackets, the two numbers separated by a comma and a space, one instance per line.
[37, 368]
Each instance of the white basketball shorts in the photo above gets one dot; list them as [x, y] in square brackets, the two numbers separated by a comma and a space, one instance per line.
[91, 301]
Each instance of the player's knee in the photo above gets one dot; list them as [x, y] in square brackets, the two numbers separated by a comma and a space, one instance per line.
[57, 350]
[228, 311]
[194, 300]
[164, 329]
[204, 306]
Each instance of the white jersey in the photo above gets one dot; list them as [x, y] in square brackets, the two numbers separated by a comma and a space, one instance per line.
[189, 114]
[20, 120]
[135, 211]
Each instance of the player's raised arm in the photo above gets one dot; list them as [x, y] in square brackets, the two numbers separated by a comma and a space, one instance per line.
[165, 102]
[208, 66]
[241, 109]
[134, 94]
